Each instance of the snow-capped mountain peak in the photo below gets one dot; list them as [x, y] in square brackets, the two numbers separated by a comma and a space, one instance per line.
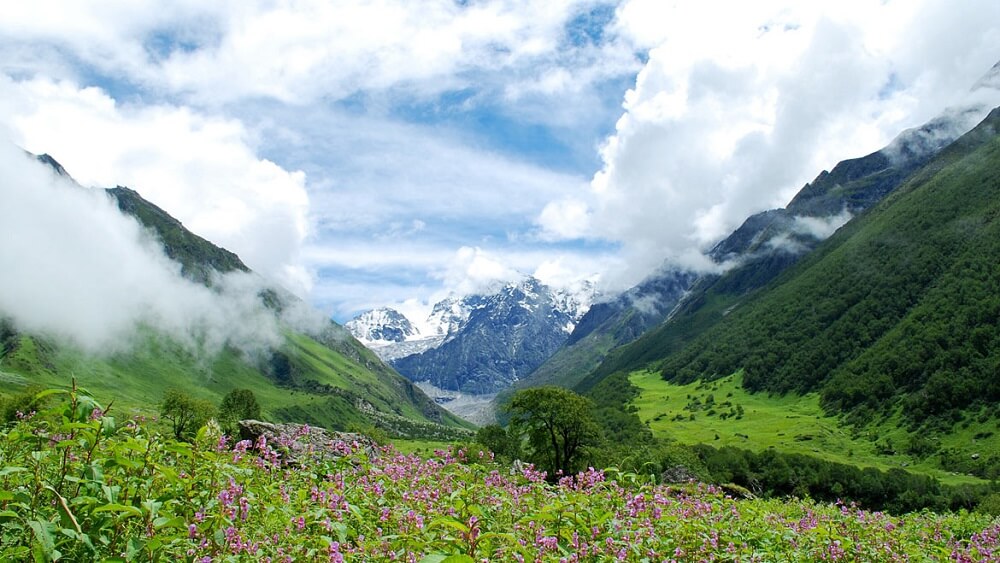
[382, 325]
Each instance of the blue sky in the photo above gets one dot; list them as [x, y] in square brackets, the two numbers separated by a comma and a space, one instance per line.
[374, 153]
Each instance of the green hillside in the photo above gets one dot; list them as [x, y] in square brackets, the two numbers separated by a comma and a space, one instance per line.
[302, 381]
[901, 303]
[883, 343]
[325, 378]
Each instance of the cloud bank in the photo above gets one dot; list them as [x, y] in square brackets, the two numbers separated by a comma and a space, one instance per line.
[77, 269]
[731, 116]
[503, 125]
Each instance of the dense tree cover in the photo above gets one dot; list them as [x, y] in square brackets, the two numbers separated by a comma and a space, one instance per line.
[238, 404]
[558, 425]
[904, 302]
[771, 473]
[495, 438]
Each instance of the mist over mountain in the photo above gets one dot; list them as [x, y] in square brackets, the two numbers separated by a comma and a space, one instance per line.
[108, 287]
[764, 245]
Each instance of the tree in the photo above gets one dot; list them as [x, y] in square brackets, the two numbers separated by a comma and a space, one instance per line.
[185, 413]
[503, 444]
[558, 424]
[237, 405]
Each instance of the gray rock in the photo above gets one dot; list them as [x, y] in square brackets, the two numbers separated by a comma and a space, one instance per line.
[295, 441]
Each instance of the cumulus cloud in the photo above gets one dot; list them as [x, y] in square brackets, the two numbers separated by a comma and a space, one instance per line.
[475, 270]
[733, 115]
[77, 269]
[202, 169]
[305, 50]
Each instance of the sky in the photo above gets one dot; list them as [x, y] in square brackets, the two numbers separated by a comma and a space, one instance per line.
[365, 153]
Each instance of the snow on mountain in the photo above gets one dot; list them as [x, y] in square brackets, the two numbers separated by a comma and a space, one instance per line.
[393, 336]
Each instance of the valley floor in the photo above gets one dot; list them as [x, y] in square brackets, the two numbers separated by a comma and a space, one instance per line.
[477, 409]
[722, 413]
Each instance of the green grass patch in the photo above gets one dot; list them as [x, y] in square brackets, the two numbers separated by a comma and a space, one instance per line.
[722, 413]
[420, 447]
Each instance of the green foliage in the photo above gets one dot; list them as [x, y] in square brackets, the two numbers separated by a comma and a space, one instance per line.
[772, 473]
[185, 413]
[899, 306]
[558, 424]
[238, 404]
[377, 435]
[505, 445]
[75, 485]
[331, 385]
[19, 404]
[990, 505]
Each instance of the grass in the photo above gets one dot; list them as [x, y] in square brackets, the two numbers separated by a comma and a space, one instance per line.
[424, 448]
[138, 379]
[789, 423]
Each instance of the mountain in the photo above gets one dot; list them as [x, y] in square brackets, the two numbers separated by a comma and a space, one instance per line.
[391, 335]
[765, 245]
[492, 340]
[898, 309]
[319, 375]
[383, 325]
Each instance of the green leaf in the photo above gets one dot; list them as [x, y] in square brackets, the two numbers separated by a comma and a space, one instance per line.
[49, 392]
[120, 508]
[9, 470]
[341, 530]
[449, 522]
[42, 531]
[167, 522]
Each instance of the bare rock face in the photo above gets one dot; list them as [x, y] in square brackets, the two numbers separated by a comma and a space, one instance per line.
[296, 441]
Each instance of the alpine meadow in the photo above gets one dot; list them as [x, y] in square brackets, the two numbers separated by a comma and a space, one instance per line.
[491, 280]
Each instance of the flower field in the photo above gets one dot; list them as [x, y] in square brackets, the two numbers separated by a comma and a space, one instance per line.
[78, 485]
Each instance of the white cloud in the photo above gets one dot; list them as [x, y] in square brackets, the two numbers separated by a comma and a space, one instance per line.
[566, 218]
[821, 228]
[203, 170]
[737, 105]
[303, 50]
[474, 270]
[732, 115]
[77, 269]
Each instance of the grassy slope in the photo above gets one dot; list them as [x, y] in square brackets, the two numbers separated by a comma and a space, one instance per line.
[790, 423]
[137, 380]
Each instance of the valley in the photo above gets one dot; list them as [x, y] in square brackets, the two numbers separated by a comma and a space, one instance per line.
[482, 281]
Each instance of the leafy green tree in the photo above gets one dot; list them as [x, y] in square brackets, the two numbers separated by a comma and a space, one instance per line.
[559, 425]
[505, 445]
[237, 405]
[185, 413]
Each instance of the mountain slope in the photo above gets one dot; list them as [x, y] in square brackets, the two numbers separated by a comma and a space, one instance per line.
[900, 304]
[506, 336]
[769, 242]
[754, 254]
[609, 324]
[320, 376]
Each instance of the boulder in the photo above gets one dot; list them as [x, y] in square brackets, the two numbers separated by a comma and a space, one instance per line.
[295, 441]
